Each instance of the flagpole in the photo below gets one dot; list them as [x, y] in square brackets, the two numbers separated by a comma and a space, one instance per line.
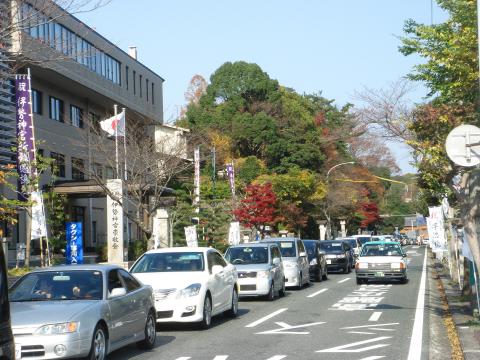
[125, 176]
[115, 110]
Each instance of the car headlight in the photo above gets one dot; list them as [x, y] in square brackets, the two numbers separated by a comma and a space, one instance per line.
[290, 265]
[313, 262]
[395, 265]
[361, 265]
[55, 329]
[189, 291]
[340, 256]
[263, 273]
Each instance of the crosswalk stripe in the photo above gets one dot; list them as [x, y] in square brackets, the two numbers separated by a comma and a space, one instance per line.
[375, 316]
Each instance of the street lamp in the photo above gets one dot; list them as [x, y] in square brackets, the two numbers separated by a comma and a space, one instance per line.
[326, 210]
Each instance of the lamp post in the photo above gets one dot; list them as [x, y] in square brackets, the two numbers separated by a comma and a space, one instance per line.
[326, 210]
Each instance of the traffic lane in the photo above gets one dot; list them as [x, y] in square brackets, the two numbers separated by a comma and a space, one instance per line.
[185, 340]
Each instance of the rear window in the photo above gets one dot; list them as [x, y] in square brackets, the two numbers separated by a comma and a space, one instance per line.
[288, 248]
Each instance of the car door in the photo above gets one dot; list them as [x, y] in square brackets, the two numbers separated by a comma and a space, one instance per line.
[217, 282]
[120, 326]
[303, 260]
[139, 302]
[278, 277]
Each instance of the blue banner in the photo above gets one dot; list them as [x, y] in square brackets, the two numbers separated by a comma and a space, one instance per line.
[74, 254]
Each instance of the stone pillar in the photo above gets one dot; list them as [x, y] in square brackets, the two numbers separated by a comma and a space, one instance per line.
[115, 223]
[342, 227]
[323, 231]
[161, 228]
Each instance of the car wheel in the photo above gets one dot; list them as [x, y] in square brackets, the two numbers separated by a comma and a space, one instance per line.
[98, 349]
[345, 269]
[300, 282]
[325, 274]
[404, 280]
[233, 311]
[281, 292]
[359, 281]
[150, 333]
[207, 313]
[271, 292]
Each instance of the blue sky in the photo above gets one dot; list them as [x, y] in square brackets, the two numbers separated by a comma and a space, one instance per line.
[332, 46]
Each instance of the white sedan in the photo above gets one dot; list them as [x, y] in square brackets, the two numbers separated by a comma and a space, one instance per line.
[190, 284]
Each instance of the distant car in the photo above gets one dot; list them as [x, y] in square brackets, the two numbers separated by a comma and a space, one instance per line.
[425, 242]
[355, 244]
[7, 346]
[80, 311]
[190, 284]
[381, 260]
[295, 261]
[337, 255]
[316, 259]
[363, 238]
[351, 251]
[260, 269]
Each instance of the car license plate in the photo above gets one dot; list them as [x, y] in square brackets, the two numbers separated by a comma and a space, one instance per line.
[379, 274]
[329, 261]
[18, 352]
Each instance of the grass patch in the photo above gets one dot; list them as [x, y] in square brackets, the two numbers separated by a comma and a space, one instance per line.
[19, 271]
[461, 298]
[473, 323]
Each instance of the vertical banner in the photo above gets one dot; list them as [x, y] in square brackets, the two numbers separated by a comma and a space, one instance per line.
[39, 226]
[234, 233]
[74, 254]
[436, 231]
[196, 183]
[25, 133]
[231, 177]
[191, 236]
[115, 222]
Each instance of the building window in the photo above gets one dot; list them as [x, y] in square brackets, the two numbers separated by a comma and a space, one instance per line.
[56, 109]
[98, 170]
[36, 102]
[153, 93]
[126, 76]
[76, 116]
[58, 164]
[134, 82]
[146, 88]
[109, 173]
[78, 169]
[140, 83]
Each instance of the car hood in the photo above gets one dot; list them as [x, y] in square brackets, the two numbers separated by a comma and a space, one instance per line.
[171, 280]
[37, 313]
[252, 267]
[380, 259]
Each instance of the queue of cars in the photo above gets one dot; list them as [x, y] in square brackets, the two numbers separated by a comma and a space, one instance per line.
[92, 310]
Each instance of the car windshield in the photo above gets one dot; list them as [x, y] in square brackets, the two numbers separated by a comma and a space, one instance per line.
[59, 285]
[331, 246]
[244, 255]
[381, 250]
[169, 262]
[288, 248]
[364, 239]
[310, 247]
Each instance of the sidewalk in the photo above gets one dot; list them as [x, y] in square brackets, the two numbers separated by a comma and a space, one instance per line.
[469, 334]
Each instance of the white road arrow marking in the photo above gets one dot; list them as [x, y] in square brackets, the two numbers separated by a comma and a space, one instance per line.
[265, 318]
[221, 357]
[367, 326]
[277, 357]
[285, 326]
[373, 358]
[345, 348]
[183, 358]
[316, 293]
[361, 332]
[375, 316]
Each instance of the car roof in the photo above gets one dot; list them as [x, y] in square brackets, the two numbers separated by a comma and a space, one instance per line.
[310, 240]
[381, 242]
[275, 239]
[180, 249]
[254, 244]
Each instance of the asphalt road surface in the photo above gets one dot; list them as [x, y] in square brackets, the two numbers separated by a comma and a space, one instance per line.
[333, 319]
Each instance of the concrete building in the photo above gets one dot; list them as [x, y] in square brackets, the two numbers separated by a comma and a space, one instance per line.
[77, 77]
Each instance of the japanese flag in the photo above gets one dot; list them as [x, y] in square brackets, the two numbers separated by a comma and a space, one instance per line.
[114, 126]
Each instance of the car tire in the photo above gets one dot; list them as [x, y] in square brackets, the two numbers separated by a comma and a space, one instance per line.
[325, 274]
[359, 281]
[345, 269]
[404, 280]
[207, 313]
[98, 348]
[300, 282]
[150, 333]
[233, 311]
[282, 291]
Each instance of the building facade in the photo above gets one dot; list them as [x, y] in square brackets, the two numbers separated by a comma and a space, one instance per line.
[78, 77]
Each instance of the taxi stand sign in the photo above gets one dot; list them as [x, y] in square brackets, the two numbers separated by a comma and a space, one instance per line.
[74, 254]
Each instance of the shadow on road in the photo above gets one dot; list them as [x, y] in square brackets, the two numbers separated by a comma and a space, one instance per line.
[132, 351]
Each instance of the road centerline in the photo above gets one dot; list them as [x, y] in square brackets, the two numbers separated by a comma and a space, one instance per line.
[317, 293]
[265, 318]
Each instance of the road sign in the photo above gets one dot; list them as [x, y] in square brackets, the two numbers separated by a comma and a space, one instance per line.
[463, 145]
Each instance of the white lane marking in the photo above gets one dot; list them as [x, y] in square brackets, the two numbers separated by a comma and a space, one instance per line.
[265, 318]
[373, 358]
[367, 326]
[183, 358]
[285, 326]
[375, 316]
[361, 332]
[415, 351]
[277, 357]
[415, 247]
[341, 281]
[343, 348]
[221, 357]
[316, 293]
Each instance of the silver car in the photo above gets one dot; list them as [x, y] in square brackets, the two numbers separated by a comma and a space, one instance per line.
[260, 269]
[80, 311]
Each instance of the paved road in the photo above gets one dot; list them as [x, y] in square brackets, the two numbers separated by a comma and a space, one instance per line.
[333, 319]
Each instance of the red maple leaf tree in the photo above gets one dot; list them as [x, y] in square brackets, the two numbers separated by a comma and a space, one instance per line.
[369, 212]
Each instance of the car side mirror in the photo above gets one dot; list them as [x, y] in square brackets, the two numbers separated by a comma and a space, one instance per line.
[303, 253]
[276, 261]
[404, 255]
[117, 292]
[217, 269]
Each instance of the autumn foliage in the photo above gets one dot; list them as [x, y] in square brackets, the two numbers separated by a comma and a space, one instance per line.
[258, 207]
[369, 212]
